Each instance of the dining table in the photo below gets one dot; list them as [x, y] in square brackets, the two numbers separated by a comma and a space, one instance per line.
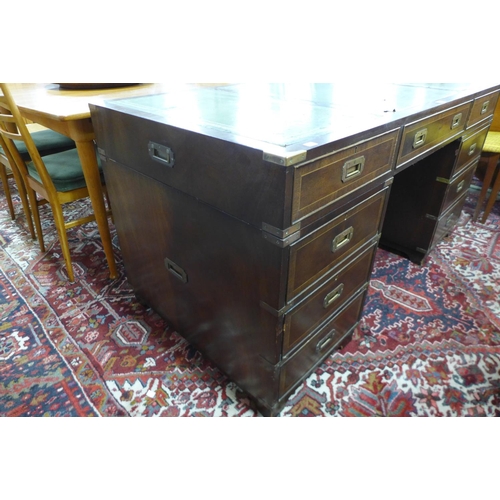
[64, 108]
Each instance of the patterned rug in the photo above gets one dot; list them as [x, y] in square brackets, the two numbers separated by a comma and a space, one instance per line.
[428, 343]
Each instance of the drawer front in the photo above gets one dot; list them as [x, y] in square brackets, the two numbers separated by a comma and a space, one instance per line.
[327, 300]
[324, 181]
[328, 337]
[459, 185]
[471, 147]
[447, 221]
[429, 133]
[319, 252]
[483, 108]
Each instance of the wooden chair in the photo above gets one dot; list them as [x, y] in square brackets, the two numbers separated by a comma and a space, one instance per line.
[57, 178]
[491, 156]
[6, 174]
[47, 142]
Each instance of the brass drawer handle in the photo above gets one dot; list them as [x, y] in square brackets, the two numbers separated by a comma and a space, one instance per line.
[342, 239]
[485, 107]
[456, 121]
[333, 296]
[176, 270]
[449, 221]
[161, 154]
[472, 149]
[353, 168]
[325, 341]
[420, 137]
[460, 186]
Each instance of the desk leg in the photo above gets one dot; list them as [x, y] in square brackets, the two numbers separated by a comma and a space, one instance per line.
[87, 154]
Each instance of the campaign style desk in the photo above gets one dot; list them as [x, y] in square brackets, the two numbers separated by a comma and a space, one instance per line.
[249, 215]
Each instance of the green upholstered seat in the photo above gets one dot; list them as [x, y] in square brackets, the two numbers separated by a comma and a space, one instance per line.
[65, 170]
[47, 142]
[492, 143]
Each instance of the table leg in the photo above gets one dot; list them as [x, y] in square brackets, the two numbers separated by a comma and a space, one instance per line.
[492, 160]
[87, 154]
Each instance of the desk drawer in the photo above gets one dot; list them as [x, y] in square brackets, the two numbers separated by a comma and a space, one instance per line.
[323, 181]
[483, 108]
[320, 251]
[429, 133]
[459, 185]
[325, 301]
[471, 147]
[329, 336]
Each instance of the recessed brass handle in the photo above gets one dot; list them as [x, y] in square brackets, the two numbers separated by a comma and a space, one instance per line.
[449, 221]
[162, 154]
[342, 239]
[333, 296]
[485, 107]
[456, 120]
[353, 168]
[472, 149]
[460, 186]
[419, 139]
[176, 270]
[325, 341]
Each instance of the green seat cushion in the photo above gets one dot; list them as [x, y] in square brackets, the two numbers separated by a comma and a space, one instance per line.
[65, 170]
[47, 142]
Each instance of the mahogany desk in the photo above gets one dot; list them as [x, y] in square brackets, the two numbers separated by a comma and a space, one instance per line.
[249, 215]
[67, 112]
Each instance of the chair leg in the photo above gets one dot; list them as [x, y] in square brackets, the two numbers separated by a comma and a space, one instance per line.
[6, 188]
[36, 217]
[491, 200]
[63, 238]
[21, 189]
[488, 176]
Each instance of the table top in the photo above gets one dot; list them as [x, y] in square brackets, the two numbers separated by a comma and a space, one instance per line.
[282, 118]
[62, 103]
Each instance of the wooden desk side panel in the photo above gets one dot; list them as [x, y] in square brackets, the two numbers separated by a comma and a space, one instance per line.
[230, 268]
[230, 177]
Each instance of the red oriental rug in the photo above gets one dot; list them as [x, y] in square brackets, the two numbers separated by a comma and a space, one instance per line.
[428, 343]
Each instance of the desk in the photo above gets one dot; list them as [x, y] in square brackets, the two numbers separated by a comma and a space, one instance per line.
[67, 112]
[249, 215]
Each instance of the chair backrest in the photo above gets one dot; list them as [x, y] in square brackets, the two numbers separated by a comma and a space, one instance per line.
[13, 128]
[6, 158]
